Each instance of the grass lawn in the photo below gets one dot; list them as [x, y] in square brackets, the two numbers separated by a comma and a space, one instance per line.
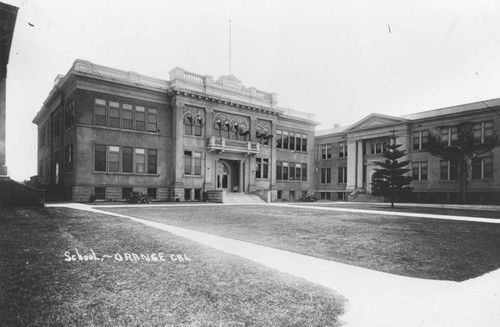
[412, 209]
[38, 287]
[424, 248]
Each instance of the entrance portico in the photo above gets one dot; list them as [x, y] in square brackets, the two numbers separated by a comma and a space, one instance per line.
[230, 175]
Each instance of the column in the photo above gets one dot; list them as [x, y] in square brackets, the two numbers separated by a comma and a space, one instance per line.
[359, 164]
[351, 165]
[241, 186]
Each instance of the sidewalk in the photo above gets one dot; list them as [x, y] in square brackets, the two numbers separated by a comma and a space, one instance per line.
[375, 298]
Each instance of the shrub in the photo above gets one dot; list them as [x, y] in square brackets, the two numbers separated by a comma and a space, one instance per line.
[137, 197]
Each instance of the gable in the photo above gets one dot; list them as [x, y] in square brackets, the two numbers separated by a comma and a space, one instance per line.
[375, 120]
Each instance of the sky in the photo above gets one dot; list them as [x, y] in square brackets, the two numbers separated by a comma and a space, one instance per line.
[339, 59]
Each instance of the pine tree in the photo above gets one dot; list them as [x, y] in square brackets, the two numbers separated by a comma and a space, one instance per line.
[390, 179]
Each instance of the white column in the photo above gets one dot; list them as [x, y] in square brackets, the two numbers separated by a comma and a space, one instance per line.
[240, 187]
[359, 164]
[351, 165]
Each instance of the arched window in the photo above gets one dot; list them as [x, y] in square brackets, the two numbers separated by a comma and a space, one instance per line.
[226, 129]
[188, 125]
[263, 135]
[193, 125]
[197, 126]
[218, 128]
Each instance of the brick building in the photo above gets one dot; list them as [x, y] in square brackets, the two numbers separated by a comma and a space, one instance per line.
[345, 155]
[107, 132]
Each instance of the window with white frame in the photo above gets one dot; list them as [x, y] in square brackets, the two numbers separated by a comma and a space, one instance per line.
[419, 171]
[482, 168]
[326, 151]
[420, 140]
[342, 150]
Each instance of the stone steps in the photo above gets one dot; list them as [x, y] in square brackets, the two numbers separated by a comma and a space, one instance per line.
[233, 197]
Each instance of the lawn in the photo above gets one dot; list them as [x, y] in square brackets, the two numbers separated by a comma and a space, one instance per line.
[44, 283]
[424, 248]
[413, 209]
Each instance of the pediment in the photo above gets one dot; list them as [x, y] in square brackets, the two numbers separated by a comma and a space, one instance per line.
[376, 120]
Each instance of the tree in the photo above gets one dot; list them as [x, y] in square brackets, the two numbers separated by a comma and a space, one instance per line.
[390, 179]
[461, 148]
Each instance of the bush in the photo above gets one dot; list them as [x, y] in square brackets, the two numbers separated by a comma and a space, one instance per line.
[137, 197]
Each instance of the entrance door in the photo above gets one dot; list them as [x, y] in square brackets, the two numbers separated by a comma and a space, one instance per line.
[223, 176]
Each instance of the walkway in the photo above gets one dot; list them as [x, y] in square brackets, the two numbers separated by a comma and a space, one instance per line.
[375, 298]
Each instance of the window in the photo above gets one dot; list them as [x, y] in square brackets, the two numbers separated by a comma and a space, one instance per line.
[114, 114]
[342, 172]
[378, 147]
[192, 163]
[193, 125]
[482, 168]
[152, 193]
[68, 158]
[100, 158]
[197, 126]
[420, 140]
[187, 194]
[114, 159]
[326, 195]
[100, 112]
[291, 171]
[292, 141]
[152, 120]
[279, 138]
[140, 118]
[140, 160]
[127, 161]
[152, 161]
[57, 123]
[342, 150]
[298, 170]
[285, 171]
[280, 195]
[197, 163]
[197, 194]
[454, 135]
[298, 142]
[304, 172]
[279, 169]
[188, 125]
[262, 168]
[419, 171]
[326, 151]
[326, 175]
[285, 140]
[449, 136]
[483, 132]
[449, 170]
[100, 193]
[187, 162]
[70, 113]
[127, 116]
[126, 191]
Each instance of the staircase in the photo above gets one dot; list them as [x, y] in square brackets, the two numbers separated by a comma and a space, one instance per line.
[360, 195]
[235, 197]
